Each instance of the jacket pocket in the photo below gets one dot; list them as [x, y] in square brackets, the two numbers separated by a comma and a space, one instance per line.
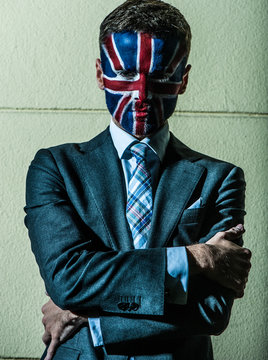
[190, 216]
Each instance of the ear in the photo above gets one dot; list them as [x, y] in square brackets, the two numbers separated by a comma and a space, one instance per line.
[99, 74]
[185, 79]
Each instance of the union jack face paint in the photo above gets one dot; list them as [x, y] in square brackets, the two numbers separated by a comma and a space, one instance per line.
[142, 76]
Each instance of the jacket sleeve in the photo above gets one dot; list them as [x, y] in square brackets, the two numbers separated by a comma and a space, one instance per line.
[208, 309]
[79, 272]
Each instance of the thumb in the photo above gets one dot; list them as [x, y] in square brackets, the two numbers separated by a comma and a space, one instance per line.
[235, 232]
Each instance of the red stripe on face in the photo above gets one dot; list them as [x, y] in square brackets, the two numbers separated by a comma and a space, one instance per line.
[145, 52]
[141, 84]
[143, 87]
[120, 110]
[181, 52]
[140, 125]
[120, 85]
[145, 60]
[112, 54]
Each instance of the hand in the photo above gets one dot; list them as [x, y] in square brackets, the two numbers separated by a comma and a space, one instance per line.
[229, 264]
[59, 325]
[222, 261]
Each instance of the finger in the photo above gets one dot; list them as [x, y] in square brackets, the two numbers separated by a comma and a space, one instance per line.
[247, 252]
[46, 338]
[240, 227]
[241, 261]
[238, 275]
[43, 308]
[241, 268]
[52, 349]
[243, 264]
[241, 283]
[234, 232]
[239, 294]
[236, 280]
[237, 228]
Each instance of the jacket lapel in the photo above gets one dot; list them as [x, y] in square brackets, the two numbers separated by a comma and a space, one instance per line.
[105, 182]
[180, 176]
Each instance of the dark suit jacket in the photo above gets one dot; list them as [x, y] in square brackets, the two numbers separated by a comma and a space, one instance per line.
[75, 209]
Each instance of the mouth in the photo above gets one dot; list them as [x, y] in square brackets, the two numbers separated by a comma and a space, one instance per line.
[141, 110]
[141, 115]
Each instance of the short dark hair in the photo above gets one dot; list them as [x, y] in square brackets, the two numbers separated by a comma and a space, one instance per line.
[151, 16]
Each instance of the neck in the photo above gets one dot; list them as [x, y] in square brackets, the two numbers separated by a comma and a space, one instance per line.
[138, 137]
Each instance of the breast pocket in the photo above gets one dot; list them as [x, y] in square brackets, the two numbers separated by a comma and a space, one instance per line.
[189, 225]
[191, 216]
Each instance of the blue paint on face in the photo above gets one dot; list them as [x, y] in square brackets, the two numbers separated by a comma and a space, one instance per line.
[158, 58]
[127, 120]
[106, 66]
[142, 78]
[127, 51]
[112, 101]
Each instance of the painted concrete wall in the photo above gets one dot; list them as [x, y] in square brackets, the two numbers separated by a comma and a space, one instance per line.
[48, 96]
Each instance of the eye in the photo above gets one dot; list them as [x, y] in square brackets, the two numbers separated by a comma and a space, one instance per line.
[160, 77]
[127, 74]
[163, 79]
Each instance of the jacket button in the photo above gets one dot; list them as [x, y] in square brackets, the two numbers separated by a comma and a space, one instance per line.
[133, 307]
[124, 306]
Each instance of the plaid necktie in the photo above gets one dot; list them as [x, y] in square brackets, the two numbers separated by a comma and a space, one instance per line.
[140, 199]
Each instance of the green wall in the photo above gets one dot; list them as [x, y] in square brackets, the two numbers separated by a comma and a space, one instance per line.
[48, 96]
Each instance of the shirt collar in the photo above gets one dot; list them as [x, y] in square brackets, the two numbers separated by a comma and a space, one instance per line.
[122, 140]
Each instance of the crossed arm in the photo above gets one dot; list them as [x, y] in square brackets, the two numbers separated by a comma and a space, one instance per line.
[219, 260]
[65, 256]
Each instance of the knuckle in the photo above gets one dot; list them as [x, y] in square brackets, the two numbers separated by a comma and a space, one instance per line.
[46, 338]
[244, 274]
[247, 252]
[234, 284]
[240, 283]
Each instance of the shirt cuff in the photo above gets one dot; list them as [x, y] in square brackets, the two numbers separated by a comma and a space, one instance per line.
[95, 330]
[177, 275]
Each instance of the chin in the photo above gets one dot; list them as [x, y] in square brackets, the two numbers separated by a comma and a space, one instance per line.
[144, 127]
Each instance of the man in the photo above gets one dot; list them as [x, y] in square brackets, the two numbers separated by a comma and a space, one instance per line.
[134, 232]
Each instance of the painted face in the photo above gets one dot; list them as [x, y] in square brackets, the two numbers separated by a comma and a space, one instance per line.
[142, 77]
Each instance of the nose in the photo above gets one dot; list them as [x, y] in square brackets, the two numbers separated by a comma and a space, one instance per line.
[143, 88]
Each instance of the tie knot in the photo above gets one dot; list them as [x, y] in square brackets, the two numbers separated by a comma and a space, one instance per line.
[139, 150]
